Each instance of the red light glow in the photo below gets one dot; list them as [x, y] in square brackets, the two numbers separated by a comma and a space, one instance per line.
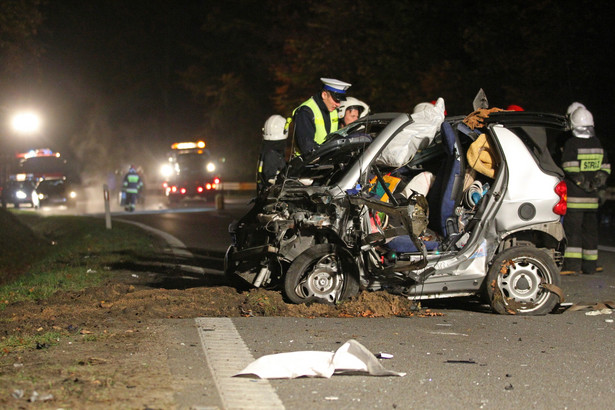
[562, 191]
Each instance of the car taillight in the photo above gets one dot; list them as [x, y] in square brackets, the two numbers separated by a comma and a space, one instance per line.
[208, 186]
[182, 191]
[562, 191]
[216, 181]
[173, 188]
[199, 189]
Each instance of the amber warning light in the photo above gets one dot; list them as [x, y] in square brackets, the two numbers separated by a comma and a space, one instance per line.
[188, 145]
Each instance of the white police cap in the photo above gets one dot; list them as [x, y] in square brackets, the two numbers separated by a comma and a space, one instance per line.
[336, 87]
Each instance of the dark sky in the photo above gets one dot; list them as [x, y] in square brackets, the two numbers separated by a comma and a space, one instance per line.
[115, 67]
[109, 86]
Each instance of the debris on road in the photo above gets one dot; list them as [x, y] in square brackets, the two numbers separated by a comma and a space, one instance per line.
[351, 358]
[599, 312]
[595, 309]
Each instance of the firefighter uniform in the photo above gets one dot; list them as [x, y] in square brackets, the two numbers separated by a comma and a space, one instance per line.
[132, 185]
[273, 152]
[586, 166]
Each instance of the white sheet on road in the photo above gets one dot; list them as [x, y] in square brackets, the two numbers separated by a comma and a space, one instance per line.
[351, 357]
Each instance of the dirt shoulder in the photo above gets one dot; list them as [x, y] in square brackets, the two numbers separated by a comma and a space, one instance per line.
[107, 344]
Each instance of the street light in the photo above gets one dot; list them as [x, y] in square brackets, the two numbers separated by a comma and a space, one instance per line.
[26, 122]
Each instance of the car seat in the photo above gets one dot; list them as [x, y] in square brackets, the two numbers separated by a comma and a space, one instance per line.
[443, 195]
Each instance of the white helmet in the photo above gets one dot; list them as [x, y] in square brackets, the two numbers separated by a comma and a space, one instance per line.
[581, 117]
[421, 107]
[274, 128]
[572, 107]
[352, 102]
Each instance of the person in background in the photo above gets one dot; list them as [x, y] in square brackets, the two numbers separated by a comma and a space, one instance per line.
[351, 110]
[132, 185]
[272, 156]
[318, 116]
[586, 169]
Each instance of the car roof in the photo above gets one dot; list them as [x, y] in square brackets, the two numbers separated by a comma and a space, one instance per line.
[525, 118]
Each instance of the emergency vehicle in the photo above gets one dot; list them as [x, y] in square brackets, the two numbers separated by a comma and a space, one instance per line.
[35, 167]
[190, 172]
[44, 163]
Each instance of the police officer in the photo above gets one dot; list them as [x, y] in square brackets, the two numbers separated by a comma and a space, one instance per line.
[587, 168]
[318, 116]
[132, 185]
[272, 156]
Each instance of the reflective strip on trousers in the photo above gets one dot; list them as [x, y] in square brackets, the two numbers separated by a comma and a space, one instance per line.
[573, 253]
[582, 203]
[590, 254]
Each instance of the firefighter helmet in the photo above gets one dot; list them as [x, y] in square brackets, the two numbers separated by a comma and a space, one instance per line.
[422, 106]
[572, 107]
[581, 117]
[274, 128]
[354, 103]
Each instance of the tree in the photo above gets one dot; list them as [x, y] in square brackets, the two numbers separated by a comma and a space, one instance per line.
[19, 24]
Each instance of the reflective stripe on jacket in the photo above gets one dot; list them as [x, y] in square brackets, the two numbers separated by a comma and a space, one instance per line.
[319, 121]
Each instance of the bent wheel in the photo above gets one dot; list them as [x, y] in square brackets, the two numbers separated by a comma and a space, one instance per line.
[324, 273]
[516, 282]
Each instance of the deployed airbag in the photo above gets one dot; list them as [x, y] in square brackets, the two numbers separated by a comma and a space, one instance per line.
[414, 137]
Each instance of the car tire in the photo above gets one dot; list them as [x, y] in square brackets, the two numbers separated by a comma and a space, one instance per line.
[324, 273]
[516, 282]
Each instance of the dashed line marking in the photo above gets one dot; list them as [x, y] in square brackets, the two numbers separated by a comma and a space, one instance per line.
[227, 355]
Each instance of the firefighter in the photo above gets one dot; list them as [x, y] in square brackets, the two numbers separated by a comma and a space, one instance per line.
[318, 116]
[351, 110]
[131, 186]
[587, 168]
[272, 156]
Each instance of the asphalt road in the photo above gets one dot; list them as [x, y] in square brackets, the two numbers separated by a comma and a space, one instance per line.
[467, 358]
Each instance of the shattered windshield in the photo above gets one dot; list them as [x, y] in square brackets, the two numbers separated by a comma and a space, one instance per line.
[341, 149]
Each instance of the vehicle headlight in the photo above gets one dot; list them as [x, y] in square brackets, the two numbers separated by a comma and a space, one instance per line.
[72, 194]
[166, 170]
[211, 167]
[41, 196]
[21, 195]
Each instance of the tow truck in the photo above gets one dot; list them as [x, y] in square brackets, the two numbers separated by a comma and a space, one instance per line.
[190, 172]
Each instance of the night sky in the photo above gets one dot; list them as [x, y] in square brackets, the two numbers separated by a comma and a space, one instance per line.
[118, 81]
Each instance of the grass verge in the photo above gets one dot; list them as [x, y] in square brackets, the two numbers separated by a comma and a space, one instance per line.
[44, 254]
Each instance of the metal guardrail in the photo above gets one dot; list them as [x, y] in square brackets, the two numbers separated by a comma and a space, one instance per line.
[237, 186]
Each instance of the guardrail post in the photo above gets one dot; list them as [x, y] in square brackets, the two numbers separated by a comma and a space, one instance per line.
[107, 206]
[220, 200]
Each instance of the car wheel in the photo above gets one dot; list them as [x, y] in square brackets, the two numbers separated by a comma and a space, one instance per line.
[324, 273]
[519, 279]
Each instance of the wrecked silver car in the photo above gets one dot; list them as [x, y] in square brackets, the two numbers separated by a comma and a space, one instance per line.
[418, 205]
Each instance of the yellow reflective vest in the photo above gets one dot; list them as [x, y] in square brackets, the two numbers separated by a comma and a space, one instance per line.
[319, 121]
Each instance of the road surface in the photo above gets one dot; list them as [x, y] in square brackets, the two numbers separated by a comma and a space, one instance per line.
[467, 358]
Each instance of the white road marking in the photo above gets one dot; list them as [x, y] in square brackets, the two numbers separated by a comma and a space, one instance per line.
[227, 355]
[606, 248]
